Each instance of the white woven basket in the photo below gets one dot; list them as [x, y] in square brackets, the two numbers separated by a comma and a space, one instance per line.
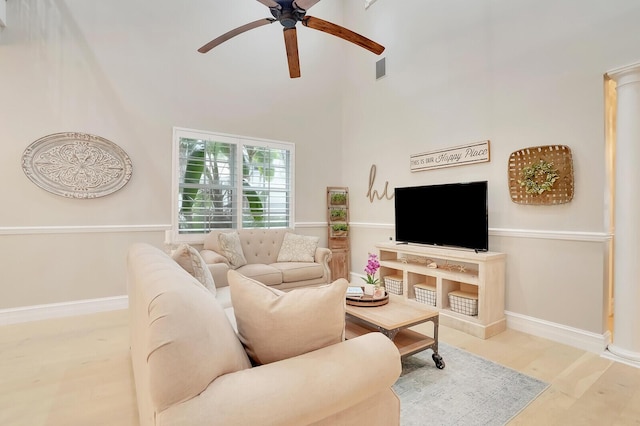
[425, 294]
[463, 303]
[393, 284]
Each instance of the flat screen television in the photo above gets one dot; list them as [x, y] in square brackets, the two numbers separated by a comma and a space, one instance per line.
[453, 214]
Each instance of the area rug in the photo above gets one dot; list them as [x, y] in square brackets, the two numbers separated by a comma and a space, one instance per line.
[470, 390]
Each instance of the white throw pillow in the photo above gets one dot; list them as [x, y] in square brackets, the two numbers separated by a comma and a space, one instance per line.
[231, 248]
[191, 261]
[274, 325]
[298, 248]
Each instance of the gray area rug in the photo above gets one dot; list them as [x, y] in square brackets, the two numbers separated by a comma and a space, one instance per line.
[470, 390]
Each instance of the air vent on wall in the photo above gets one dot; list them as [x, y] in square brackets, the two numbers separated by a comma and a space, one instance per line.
[381, 68]
[3, 14]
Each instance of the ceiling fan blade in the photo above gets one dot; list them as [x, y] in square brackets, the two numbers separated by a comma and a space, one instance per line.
[226, 36]
[270, 3]
[304, 4]
[343, 33]
[291, 44]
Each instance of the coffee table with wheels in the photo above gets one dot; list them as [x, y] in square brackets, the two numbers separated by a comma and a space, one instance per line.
[393, 320]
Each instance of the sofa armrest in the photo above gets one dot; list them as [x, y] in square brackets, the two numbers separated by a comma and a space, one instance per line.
[219, 273]
[210, 256]
[296, 391]
[218, 266]
[323, 256]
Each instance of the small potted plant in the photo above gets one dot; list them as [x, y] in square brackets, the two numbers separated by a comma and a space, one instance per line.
[373, 283]
[337, 214]
[339, 198]
[339, 229]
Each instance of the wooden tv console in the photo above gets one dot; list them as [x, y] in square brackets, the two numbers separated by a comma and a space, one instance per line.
[480, 274]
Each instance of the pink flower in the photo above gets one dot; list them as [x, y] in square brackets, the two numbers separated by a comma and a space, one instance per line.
[372, 267]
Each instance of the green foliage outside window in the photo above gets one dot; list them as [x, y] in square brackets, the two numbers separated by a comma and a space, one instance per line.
[209, 195]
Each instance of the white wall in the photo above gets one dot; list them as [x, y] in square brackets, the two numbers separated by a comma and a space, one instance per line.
[129, 72]
[519, 73]
[523, 73]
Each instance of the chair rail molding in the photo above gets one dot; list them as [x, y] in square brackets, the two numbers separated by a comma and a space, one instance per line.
[518, 233]
[551, 235]
[88, 229]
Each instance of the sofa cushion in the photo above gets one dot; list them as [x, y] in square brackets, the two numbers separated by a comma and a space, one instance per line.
[261, 245]
[191, 342]
[211, 241]
[191, 261]
[297, 248]
[274, 325]
[298, 271]
[231, 248]
[258, 245]
[180, 332]
[266, 274]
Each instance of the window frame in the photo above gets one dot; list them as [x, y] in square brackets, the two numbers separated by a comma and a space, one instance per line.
[240, 141]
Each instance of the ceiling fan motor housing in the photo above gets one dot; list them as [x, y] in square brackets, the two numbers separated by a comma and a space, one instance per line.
[287, 14]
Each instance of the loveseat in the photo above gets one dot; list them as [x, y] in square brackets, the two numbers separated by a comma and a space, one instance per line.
[276, 257]
[191, 366]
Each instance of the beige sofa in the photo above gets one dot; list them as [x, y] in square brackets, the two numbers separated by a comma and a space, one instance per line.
[190, 367]
[261, 248]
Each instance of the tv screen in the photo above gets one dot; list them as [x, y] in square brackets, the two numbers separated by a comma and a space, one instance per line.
[454, 214]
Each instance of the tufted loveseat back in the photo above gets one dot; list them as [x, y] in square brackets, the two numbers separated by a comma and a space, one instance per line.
[258, 245]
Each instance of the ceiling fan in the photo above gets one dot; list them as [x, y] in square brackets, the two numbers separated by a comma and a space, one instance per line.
[289, 13]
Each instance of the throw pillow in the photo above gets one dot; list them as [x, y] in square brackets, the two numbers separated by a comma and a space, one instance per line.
[229, 243]
[274, 325]
[191, 261]
[298, 248]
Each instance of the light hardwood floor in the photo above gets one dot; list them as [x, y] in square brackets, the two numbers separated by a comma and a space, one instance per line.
[76, 371]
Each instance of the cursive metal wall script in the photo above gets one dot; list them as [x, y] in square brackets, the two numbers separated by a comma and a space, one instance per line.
[372, 193]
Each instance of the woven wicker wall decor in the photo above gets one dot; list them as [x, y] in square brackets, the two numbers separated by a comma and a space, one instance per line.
[562, 189]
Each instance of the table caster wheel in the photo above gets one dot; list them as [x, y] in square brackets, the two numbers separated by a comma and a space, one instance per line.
[438, 360]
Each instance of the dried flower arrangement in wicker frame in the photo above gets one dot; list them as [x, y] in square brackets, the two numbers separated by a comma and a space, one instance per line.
[541, 175]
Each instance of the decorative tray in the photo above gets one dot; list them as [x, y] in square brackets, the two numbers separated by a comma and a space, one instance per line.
[368, 301]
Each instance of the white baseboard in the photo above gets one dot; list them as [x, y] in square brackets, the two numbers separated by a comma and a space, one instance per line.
[585, 340]
[621, 355]
[65, 309]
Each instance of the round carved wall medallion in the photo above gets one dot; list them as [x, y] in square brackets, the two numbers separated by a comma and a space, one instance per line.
[77, 165]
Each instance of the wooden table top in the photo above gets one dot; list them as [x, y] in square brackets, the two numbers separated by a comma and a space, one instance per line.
[395, 314]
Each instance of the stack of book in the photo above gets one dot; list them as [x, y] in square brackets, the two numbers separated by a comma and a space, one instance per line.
[353, 291]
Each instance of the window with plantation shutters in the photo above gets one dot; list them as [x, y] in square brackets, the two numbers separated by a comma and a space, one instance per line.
[224, 181]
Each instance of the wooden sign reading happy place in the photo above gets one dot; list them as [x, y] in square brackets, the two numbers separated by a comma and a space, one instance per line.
[448, 157]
